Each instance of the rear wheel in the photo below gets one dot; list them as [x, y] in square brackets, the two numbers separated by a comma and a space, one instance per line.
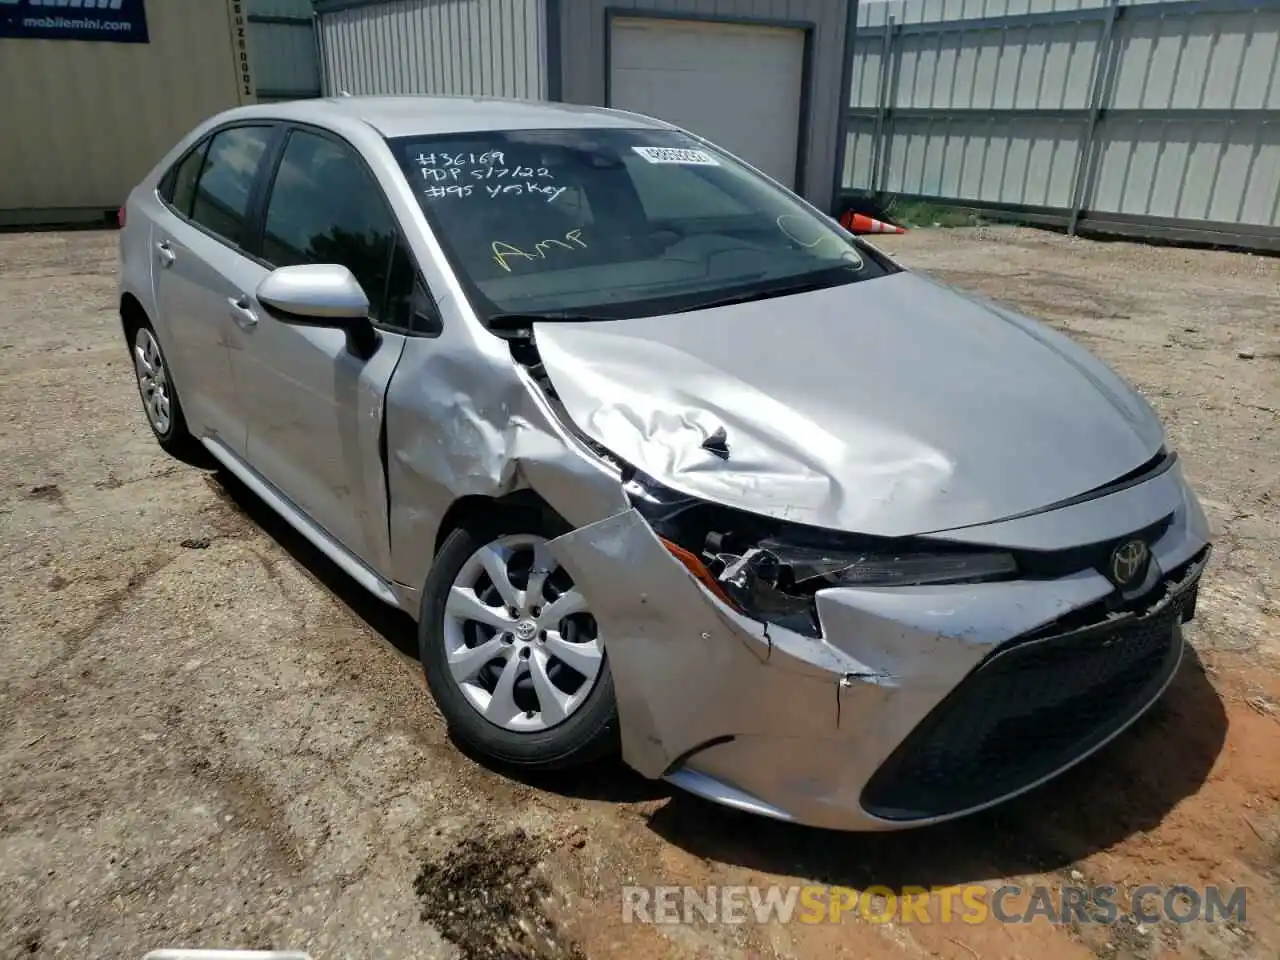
[159, 397]
[512, 653]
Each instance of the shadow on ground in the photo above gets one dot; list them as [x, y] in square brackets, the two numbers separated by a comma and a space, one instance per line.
[610, 780]
[394, 626]
[1127, 788]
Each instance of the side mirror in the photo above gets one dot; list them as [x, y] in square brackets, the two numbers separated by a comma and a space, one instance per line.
[320, 295]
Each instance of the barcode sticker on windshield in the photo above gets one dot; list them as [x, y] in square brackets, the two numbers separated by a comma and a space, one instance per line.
[676, 155]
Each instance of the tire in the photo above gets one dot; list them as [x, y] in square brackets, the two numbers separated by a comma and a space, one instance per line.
[170, 429]
[589, 729]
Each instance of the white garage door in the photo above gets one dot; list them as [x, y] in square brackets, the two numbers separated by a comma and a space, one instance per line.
[737, 85]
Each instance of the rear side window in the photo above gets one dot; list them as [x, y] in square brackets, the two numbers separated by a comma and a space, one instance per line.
[325, 207]
[180, 189]
[221, 200]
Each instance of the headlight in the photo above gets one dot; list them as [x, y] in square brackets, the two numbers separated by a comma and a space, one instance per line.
[885, 568]
[777, 582]
[771, 570]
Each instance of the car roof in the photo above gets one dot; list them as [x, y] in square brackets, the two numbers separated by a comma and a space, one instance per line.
[397, 116]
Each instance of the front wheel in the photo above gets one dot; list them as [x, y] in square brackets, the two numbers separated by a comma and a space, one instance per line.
[512, 654]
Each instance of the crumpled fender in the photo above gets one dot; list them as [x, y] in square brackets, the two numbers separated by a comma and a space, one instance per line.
[503, 436]
[687, 669]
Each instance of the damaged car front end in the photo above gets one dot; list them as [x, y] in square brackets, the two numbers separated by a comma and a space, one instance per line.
[869, 681]
[920, 687]
[864, 553]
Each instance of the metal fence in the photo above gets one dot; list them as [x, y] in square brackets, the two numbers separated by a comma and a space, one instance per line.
[282, 43]
[1156, 118]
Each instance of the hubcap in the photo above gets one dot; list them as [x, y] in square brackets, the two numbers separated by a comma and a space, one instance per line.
[153, 380]
[519, 640]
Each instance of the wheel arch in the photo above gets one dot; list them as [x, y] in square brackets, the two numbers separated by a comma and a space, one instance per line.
[132, 316]
[479, 508]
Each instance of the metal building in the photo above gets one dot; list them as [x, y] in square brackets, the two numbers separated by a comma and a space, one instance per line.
[1151, 118]
[282, 46]
[765, 79]
[96, 94]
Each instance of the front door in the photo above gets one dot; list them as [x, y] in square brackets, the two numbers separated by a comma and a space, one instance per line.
[315, 405]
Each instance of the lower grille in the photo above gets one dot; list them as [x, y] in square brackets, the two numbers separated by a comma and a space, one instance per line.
[1028, 710]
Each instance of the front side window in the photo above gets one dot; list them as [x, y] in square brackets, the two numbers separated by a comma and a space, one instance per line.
[325, 207]
[617, 222]
[221, 200]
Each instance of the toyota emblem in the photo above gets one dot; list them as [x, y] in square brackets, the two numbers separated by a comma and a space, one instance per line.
[1129, 562]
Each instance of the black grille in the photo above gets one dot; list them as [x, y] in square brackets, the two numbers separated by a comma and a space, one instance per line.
[1028, 710]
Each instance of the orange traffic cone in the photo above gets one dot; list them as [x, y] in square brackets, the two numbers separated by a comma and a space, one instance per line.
[858, 223]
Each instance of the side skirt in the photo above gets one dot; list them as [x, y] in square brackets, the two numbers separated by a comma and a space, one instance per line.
[350, 564]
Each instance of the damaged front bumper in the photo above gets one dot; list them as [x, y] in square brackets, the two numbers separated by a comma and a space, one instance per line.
[915, 705]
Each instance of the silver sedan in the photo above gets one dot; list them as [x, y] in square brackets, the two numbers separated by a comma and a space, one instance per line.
[660, 458]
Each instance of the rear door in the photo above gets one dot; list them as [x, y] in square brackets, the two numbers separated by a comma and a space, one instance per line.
[315, 406]
[202, 268]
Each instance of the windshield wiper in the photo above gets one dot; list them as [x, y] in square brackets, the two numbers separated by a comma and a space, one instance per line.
[510, 322]
[826, 278]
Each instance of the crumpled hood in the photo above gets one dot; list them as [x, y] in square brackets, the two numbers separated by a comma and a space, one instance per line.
[889, 407]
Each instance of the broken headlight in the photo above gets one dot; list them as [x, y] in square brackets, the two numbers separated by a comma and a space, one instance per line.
[777, 581]
[771, 570]
[885, 568]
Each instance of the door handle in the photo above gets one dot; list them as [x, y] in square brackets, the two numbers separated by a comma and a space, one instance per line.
[165, 252]
[242, 311]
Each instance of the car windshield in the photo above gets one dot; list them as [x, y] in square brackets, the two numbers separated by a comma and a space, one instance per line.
[617, 223]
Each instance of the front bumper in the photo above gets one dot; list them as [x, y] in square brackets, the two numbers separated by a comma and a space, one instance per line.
[920, 704]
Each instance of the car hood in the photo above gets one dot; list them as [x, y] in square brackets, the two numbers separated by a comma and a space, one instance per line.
[889, 407]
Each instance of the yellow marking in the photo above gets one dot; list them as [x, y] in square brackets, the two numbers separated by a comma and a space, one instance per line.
[541, 248]
[502, 250]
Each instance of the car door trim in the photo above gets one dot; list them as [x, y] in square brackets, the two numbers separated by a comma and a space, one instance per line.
[348, 562]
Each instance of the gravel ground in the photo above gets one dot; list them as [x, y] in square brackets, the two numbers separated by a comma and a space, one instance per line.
[208, 737]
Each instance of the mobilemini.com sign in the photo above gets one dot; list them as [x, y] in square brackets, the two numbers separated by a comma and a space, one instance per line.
[111, 21]
[970, 904]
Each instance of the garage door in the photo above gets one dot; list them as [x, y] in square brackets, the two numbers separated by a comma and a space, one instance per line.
[737, 85]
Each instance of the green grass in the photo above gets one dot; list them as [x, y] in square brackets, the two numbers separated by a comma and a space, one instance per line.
[921, 214]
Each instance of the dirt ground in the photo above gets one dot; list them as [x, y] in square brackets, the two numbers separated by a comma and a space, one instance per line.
[208, 737]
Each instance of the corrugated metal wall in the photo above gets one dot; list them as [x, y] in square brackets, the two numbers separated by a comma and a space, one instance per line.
[283, 43]
[1149, 117]
[584, 40]
[84, 121]
[467, 47]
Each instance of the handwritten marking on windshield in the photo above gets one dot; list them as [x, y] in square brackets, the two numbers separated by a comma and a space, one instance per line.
[845, 252]
[528, 188]
[520, 189]
[460, 159]
[506, 181]
[437, 174]
[503, 250]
